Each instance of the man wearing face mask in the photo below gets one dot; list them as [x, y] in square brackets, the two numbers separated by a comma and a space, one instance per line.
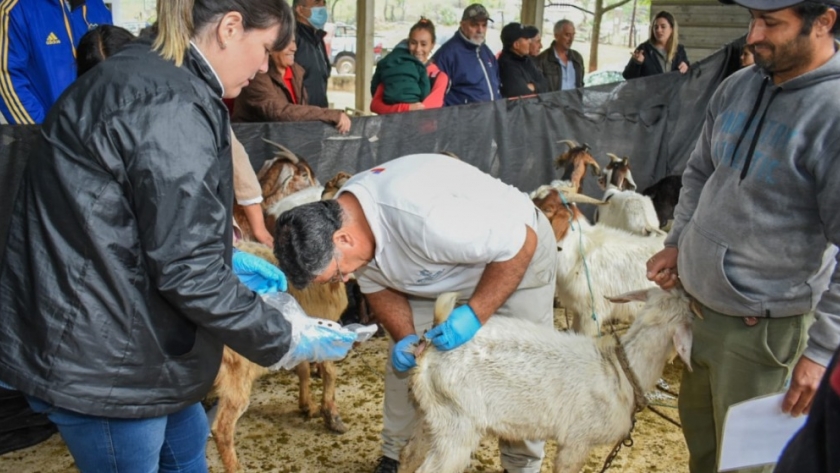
[310, 17]
[471, 66]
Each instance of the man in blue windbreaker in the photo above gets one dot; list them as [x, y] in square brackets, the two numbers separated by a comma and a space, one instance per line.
[38, 41]
[471, 66]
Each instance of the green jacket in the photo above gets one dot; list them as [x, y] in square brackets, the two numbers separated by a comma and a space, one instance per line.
[404, 77]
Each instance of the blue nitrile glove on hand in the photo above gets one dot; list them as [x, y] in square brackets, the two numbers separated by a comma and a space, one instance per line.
[402, 356]
[258, 274]
[458, 329]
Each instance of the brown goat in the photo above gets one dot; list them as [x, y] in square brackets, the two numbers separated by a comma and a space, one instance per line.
[617, 173]
[548, 200]
[574, 161]
[280, 176]
[333, 185]
[236, 375]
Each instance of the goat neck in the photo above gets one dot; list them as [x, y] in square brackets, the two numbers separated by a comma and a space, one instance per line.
[649, 345]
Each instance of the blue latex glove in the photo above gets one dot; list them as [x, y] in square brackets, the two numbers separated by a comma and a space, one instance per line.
[402, 356]
[458, 329]
[258, 274]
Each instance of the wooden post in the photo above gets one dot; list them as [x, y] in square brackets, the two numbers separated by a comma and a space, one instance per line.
[364, 53]
[531, 13]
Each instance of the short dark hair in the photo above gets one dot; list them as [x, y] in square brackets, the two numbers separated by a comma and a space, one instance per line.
[809, 12]
[424, 24]
[303, 240]
[98, 44]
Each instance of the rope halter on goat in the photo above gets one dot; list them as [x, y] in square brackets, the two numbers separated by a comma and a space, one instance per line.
[639, 400]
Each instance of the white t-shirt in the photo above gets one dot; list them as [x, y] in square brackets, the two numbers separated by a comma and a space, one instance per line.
[437, 222]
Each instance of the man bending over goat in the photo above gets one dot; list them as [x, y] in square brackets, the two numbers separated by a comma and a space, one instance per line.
[411, 229]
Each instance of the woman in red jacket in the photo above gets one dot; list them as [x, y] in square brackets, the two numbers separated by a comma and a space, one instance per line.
[421, 41]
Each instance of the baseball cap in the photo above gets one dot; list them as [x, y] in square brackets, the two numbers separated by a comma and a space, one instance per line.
[476, 11]
[513, 31]
[770, 5]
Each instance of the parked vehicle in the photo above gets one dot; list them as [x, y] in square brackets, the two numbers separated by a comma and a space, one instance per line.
[341, 47]
[603, 76]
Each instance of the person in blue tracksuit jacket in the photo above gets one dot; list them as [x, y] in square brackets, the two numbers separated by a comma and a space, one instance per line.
[471, 66]
[38, 52]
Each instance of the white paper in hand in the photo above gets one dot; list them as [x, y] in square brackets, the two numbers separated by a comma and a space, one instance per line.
[755, 432]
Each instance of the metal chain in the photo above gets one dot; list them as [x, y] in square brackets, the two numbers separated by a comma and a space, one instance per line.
[625, 442]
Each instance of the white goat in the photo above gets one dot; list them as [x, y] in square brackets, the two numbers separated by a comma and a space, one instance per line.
[626, 209]
[583, 398]
[594, 261]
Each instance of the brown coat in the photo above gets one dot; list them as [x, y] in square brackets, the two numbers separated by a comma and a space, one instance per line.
[267, 99]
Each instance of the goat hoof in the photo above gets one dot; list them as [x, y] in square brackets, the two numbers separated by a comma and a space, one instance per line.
[334, 422]
[309, 411]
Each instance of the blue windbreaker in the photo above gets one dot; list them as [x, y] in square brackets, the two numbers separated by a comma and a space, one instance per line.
[38, 41]
[473, 71]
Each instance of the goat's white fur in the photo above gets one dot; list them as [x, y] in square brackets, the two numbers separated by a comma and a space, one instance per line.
[629, 210]
[582, 399]
[304, 196]
[617, 263]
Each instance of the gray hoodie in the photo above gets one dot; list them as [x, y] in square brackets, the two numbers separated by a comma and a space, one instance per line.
[758, 210]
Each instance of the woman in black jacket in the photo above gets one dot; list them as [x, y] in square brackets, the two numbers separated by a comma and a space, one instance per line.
[116, 286]
[661, 53]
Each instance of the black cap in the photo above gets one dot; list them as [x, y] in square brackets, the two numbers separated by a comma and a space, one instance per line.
[513, 31]
[770, 5]
[476, 11]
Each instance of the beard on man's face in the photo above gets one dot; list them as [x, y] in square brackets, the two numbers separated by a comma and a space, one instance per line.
[789, 55]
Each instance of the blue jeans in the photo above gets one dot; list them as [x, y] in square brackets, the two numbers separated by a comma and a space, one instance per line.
[173, 443]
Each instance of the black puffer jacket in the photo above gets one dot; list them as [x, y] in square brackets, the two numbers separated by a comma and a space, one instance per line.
[312, 56]
[116, 289]
[651, 65]
[516, 72]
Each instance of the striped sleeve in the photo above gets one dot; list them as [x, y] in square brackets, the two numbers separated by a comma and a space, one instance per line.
[18, 102]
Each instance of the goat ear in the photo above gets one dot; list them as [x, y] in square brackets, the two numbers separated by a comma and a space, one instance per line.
[630, 183]
[640, 296]
[682, 343]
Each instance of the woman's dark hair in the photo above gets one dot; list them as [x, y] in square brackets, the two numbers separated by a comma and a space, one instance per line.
[303, 240]
[674, 41]
[179, 21]
[98, 44]
[424, 24]
[809, 12]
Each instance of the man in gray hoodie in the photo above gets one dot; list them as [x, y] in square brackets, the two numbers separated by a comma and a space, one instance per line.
[756, 222]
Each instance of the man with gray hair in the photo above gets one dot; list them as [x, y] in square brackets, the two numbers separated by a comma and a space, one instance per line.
[561, 65]
[471, 66]
[408, 242]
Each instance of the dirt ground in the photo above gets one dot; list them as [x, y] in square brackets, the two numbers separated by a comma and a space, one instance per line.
[273, 436]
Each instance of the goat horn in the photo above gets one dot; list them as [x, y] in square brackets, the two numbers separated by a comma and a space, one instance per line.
[571, 144]
[613, 158]
[578, 198]
[284, 152]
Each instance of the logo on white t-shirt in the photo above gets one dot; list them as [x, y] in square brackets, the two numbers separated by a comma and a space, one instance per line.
[428, 276]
